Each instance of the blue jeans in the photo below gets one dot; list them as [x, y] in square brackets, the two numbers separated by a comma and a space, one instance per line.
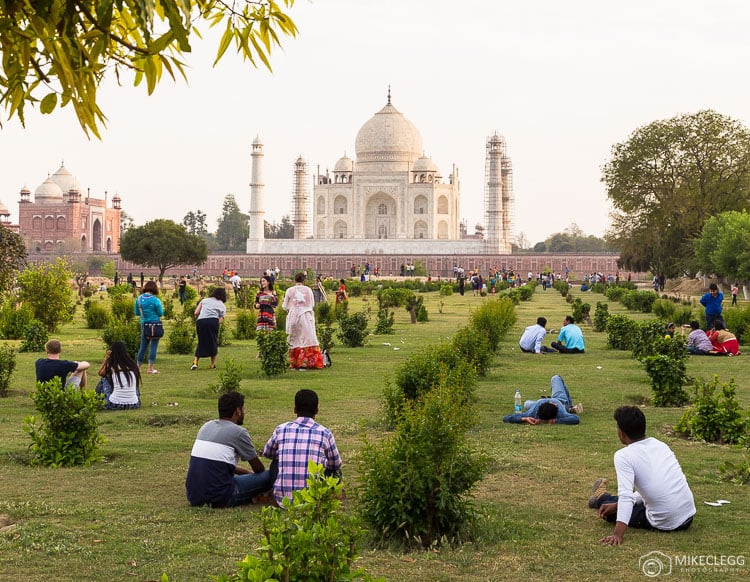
[248, 486]
[142, 350]
[559, 391]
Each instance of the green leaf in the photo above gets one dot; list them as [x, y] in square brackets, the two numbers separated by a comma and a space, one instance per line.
[49, 103]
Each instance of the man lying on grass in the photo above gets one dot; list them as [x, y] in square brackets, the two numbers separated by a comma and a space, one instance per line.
[556, 410]
[663, 500]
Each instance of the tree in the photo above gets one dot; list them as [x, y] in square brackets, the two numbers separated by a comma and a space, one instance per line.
[163, 244]
[195, 222]
[667, 179]
[233, 230]
[58, 51]
[285, 229]
[126, 222]
[12, 258]
[46, 289]
[723, 248]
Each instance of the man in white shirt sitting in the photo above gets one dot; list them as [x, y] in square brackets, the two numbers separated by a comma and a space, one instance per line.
[531, 340]
[653, 492]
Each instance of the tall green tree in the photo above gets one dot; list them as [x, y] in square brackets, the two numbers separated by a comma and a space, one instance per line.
[283, 229]
[163, 244]
[12, 258]
[56, 52]
[233, 229]
[195, 222]
[667, 179]
[46, 289]
[723, 248]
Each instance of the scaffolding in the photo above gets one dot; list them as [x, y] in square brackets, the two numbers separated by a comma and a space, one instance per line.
[498, 195]
[300, 197]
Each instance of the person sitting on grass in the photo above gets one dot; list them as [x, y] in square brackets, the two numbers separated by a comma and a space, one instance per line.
[214, 477]
[120, 379]
[570, 339]
[52, 366]
[293, 444]
[723, 341]
[531, 340]
[556, 410]
[653, 492]
[698, 343]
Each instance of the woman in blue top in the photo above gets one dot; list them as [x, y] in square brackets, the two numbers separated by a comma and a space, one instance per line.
[150, 310]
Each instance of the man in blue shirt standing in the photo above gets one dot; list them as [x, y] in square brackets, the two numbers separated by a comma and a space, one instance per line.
[570, 340]
[712, 302]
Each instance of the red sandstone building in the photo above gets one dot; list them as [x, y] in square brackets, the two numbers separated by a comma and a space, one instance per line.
[61, 219]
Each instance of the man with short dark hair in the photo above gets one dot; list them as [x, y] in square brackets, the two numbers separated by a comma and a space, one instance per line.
[531, 340]
[52, 366]
[570, 339]
[214, 477]
[294, 444]
[712, 302]
[653, 492]
[556, 410]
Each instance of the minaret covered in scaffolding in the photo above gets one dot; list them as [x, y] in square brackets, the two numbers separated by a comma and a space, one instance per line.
[257, 211]
[498, 196]
[299, 200]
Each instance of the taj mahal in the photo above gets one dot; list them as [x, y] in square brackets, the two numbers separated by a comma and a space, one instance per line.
[390, 199]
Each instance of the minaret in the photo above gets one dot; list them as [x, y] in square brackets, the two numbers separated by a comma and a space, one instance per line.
[493, 187]
[299, 200]
[257, 213]
[506, 170]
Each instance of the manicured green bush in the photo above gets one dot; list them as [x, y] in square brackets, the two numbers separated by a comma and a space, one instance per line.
[352, 329]
[324, 313]
[7, 367]
[446, 290]
[68, 431]
[245, 322]
[393, 297]
[665, 363]
[44, 288]
[14, 319]
[715, 417]
[119, 290]
[615, 292]
[620, 332]
[325, 336]
[422, 315]
[413, 304]
[35, 337]
[493, 319]
[167, 304]
[638, 300]
[601, 316]
[514, 295]
[416, 483]
[664, 309]
[126, 331]
[648, 339]
[474, 347]
[181, 338]
[738, 321]
[581, 310]
[228, 379]
[97, 316]
[561, 286]
[122, 307]
[273, 350]
[309, 539]
[424, 370]
[384, 325]
[526, 292]
[599, 287]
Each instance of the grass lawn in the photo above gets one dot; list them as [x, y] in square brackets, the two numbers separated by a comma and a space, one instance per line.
[127, 518]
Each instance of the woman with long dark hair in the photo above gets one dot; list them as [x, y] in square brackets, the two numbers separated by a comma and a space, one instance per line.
[209, 313]
[265, 301]
[120, 379]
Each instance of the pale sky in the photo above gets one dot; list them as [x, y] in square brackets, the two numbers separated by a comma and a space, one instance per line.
[562, 81]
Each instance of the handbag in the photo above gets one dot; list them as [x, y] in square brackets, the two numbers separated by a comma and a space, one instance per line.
[151, 330]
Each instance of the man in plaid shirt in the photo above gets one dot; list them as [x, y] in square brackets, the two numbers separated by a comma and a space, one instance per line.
[295, 443]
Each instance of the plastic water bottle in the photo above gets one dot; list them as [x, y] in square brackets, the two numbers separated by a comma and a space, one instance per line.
[517, 407]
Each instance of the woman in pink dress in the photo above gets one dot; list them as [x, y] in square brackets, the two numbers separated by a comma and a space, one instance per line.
[304, 351]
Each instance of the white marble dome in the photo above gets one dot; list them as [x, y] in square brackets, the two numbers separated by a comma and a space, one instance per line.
[388, 137]
[345, 164]
[65, 179]
[48, 191]
[425, 164]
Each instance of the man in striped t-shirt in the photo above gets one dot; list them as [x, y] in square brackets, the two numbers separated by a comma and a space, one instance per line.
[295, 443]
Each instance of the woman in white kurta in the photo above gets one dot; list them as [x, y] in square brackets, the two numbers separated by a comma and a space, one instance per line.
[304, 350]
